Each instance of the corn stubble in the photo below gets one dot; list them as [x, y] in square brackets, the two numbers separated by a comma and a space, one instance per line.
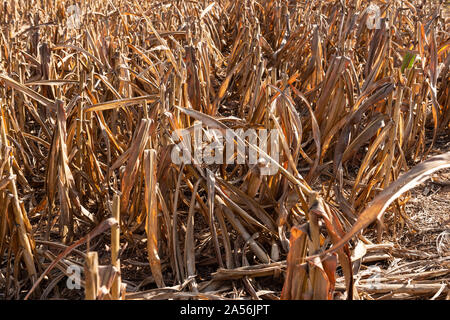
[88, 111]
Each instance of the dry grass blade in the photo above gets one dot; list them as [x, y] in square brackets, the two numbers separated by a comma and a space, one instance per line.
[377, 207]
[151, 206]
[120, 103]
[27, 91]
[211, 184]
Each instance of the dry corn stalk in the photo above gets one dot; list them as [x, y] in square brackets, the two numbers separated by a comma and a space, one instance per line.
[92, 278]
[92, 109]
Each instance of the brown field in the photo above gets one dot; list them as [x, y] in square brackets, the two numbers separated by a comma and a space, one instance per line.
[96, 97]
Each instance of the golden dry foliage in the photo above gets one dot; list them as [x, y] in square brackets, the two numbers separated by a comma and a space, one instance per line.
[92, 96]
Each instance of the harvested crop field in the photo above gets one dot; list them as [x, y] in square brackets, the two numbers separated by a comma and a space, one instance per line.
[210, 150]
